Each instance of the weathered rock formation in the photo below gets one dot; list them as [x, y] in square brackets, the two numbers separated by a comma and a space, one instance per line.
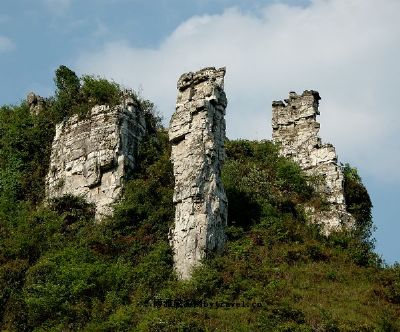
[296, 129]
[92, 156]
[197, 134]
[36, 103]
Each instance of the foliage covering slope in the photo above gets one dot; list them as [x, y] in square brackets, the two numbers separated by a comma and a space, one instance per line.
[61, 271]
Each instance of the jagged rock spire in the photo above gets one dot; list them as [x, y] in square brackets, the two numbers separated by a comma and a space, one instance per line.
[295, 128]
[197, 134]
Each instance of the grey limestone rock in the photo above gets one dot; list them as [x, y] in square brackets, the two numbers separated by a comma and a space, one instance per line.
[294, 126]
[197, 134]
[91, 157]
[36, 103]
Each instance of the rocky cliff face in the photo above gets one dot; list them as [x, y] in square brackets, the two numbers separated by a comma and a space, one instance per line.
[92, 156]
[296, 129]
[197, 134]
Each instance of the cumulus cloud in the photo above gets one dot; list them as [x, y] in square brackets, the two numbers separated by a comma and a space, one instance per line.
[348, 50]
[6, 44]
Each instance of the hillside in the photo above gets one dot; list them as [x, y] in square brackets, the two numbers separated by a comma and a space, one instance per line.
[61, 271]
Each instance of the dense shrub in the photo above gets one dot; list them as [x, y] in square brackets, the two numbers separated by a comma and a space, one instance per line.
[24, 153]
[358, 202]
[99, 91]
[261, 185]
[391, 283]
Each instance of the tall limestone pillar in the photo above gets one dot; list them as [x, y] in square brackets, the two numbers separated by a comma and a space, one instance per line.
[295, 127]
[197, 134]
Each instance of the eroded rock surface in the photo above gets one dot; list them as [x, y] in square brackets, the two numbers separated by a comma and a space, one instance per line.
[296, 129]
[36, 103]
[92, 156]
[197, 134]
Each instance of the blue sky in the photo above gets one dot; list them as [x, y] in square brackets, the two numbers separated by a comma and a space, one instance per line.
[348, 50]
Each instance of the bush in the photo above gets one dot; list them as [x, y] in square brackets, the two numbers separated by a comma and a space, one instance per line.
[72, 208]
[259, 183]
[12, 275]
[358, 204]
[391, 283]
[153, 271]
[31, 233]
[99, 91]
[291, 179]
[62, 284]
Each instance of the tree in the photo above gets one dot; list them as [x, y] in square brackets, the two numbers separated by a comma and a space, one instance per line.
[68, 90]
[67, 82]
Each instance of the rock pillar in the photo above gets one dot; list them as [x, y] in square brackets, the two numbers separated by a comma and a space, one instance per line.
[197, 134]
[295, 128]
[91, 157]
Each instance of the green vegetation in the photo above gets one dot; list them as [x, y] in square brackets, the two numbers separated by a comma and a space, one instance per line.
[76, 95]
[60, 271]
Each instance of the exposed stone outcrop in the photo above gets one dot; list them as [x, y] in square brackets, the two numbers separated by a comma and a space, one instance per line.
[296, 129]
[36, 103]
[197, 134]
[92, 156]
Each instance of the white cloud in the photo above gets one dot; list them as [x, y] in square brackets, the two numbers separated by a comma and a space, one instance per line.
[348, 50]
[6, 44]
